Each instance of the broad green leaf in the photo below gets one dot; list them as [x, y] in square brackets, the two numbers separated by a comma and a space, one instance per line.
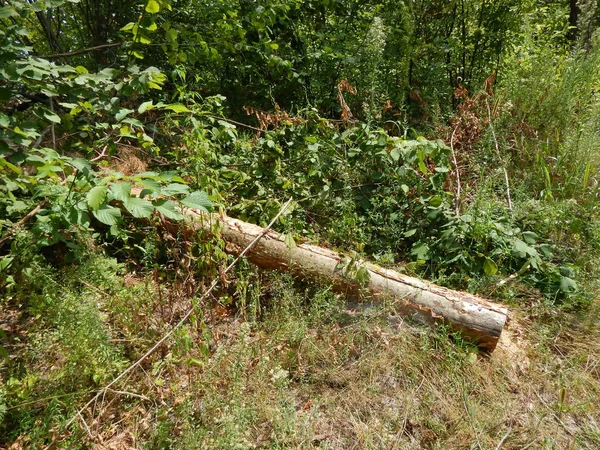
[567, 285]
[520, 247]
[123, 112]
[7, 11]
[95, 197]
[153, 7]
[82, 164]
[175, 188]
[530, 237]
[410, 233]
[121, 191]
[134, 122]
[146, 106]
[108, 215]
[5, 262]
[421, 251]
[151, 184]
[4, 120]
[177, 108]
[435, 201]
[139, 207]
[289, 241]
[546, 250]
[197, 200]
[168, 209]
[421, 162]
[489, 267]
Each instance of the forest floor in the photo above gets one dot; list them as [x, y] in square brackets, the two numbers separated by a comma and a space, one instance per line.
[304, 369]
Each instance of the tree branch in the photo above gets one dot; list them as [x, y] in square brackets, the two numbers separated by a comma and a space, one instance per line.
[85, 50]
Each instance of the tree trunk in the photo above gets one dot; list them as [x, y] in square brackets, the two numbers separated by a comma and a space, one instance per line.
[476, 319]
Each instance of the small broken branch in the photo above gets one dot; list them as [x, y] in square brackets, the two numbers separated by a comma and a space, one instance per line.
[21, 222]
[82, 51]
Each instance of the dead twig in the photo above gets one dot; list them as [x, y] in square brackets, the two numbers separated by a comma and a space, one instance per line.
[457, 170]
[21, 222]
[508, 198]
[501, 443]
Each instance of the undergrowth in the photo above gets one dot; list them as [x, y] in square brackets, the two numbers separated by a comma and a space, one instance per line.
[297, 367]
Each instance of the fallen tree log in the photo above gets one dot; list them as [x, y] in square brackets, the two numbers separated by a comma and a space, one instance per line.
[478, 320]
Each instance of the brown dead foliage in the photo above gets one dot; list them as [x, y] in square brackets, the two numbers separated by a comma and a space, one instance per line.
[466, 128]
[345, 86]
[129, 160]
[272, 120]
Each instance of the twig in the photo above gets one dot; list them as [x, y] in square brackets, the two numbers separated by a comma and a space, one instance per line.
[87, 428]
[236, 123]
[498, 153]
[457, 171]
[20, 223]
[84, 50]
[52, 126]
[181, 321]
[101, 155]
[130, 394]
[501, 443]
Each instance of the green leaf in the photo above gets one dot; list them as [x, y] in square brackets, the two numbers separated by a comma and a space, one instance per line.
[362, 276]
[153, 7]
[139, 207]
[7, 11]
[489, 267]
[567, 285]
[168, 209]
[4, 120]
[123, 112]
[289, 241]
[121, 191]
[146, 106]
[95, 197]
[81, 164]
[108, 215]
[530, 237]
[5, 262]
[175, 188]
[197, 200]
[177, 108]
[151, 184]
[435, 201]
[522, 249]
[421, 251]
[52, 117]
[410, 233]
[134, 122]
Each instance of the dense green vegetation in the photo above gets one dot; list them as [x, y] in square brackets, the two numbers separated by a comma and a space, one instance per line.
[455, 141]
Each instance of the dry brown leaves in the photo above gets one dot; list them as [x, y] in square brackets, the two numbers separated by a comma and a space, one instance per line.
[345, 86]
[272, 120]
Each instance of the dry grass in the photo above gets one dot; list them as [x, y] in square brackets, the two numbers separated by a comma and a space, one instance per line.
[303, 377]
